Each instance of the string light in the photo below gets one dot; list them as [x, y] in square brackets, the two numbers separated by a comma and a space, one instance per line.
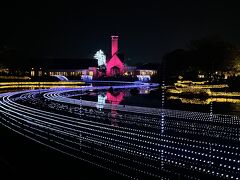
[192, 142]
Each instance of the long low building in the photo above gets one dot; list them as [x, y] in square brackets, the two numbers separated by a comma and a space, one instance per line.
[88, 68]
[71, 68]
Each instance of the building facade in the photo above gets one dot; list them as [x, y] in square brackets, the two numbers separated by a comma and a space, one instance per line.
[88, 68]
[115, 65]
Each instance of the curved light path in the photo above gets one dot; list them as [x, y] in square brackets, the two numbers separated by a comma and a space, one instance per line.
[60, 96]
[131, 141]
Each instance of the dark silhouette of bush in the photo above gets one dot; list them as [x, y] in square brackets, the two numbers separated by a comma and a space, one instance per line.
[234, 83]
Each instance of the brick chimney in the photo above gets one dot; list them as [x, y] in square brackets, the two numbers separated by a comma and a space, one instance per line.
[114, 44]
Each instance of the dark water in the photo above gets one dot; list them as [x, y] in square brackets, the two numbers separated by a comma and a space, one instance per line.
[155, 99]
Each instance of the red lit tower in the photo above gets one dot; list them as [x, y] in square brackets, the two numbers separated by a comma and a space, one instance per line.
[115, 66]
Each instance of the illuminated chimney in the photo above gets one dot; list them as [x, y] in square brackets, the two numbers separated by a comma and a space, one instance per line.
[114, 44]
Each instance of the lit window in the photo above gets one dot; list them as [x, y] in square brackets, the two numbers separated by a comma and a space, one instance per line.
[90, 73]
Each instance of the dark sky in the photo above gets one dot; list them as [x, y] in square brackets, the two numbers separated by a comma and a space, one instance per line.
[147, 30]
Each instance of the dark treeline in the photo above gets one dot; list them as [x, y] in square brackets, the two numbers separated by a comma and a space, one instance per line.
[206, 56]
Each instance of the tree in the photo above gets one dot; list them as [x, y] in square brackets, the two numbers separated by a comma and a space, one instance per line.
[206, 55]
[234, 64]
[211, 54]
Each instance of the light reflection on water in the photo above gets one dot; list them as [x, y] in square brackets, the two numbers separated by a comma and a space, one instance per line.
[146, 98]
[5, 89]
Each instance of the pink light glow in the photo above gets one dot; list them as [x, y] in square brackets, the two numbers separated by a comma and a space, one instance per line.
[114, 99]
[114, 65]
[114, 44]
[114, 62]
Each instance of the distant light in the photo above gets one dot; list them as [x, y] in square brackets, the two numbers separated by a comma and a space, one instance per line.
[86, 77]
[144, 78]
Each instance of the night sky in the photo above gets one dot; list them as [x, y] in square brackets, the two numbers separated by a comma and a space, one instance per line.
[146, 30]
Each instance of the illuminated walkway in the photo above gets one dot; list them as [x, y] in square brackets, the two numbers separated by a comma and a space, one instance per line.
[136, 142]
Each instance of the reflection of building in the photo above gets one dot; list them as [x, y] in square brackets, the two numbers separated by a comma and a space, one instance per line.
[101, 101]
[114, 98]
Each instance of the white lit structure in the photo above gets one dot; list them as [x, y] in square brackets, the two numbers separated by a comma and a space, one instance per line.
[144, 78]
[86, 77]
[101, 57]
[101, 101]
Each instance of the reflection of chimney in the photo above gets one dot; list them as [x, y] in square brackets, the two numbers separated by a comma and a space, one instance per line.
[114, 44]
